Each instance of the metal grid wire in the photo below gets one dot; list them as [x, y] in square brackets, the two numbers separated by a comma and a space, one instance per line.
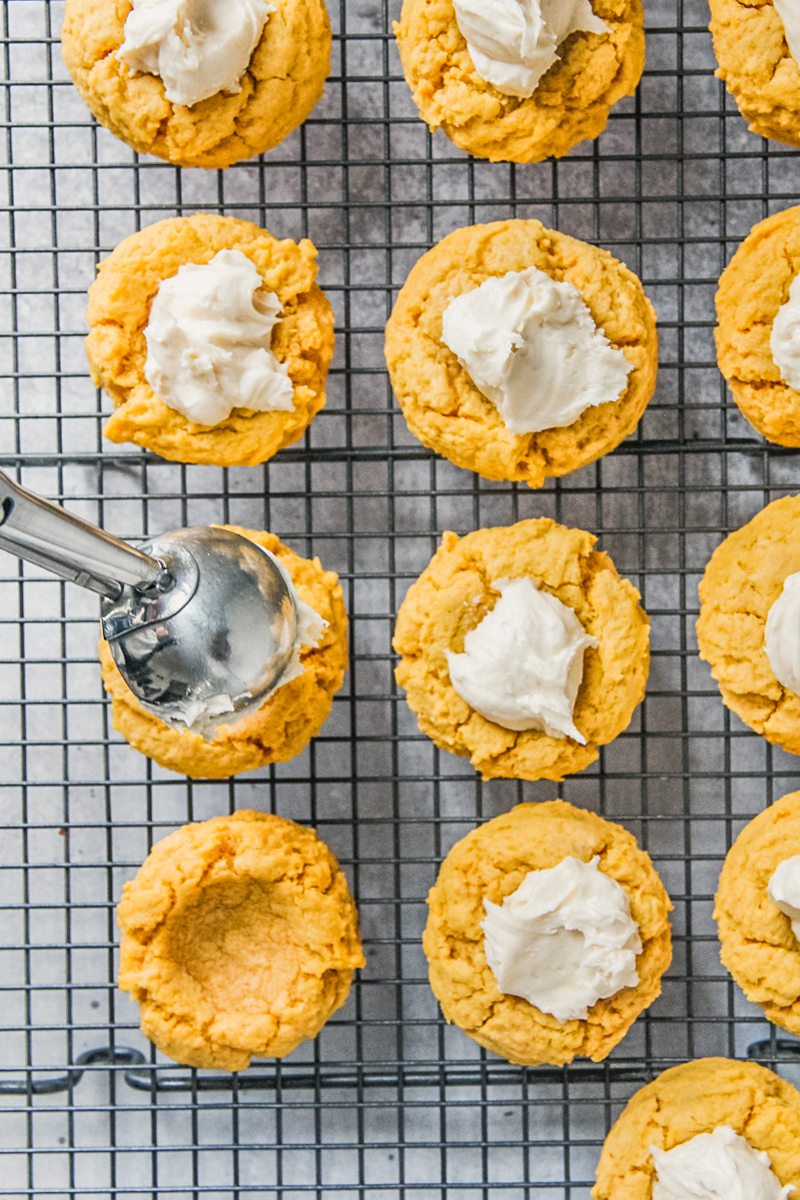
[387, 1102]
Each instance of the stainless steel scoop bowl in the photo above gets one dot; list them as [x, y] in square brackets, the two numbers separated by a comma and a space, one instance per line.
[201, 622]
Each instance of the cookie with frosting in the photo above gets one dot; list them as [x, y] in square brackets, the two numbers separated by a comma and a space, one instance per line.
[212, 338]
[518, 82]
[712, 1127]
[757, 911]
[201, 83]
[758, 327]
[749, 621]
[522, 649]
[521, 353]
[548, 934]
[758, 50]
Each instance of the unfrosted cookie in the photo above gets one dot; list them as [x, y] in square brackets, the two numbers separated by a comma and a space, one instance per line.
[283, 82]
[757, 66]
[442, 405]
[288, 719]
[489, 864]
[758, 945]
[698, 1097]
[572, 101]
[120, 302]
[454, 593]
[239, 940]
[752, 289]
[743, 579]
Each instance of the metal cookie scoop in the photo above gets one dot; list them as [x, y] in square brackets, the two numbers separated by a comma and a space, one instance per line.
[201, 622]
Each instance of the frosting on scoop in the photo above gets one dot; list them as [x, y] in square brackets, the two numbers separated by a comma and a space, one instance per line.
[512, 43]
[782, 635]
[564, 939]
[531, 346]
[522, 665]
[208, 342]
[716, 1166]
[197, 47]
[199, 715]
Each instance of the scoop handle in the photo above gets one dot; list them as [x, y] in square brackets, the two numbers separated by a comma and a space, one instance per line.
[43, 533]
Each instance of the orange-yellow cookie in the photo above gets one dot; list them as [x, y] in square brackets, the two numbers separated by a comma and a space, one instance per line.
[239, 940]
[119, 310]
[752, 289]
[283, 725]
[454, 593]
[442, 405]
[698, 1097]
[283, 82]
[742, 581]
[571, 103]
[757, 66]
[489, 864]
[758, 945]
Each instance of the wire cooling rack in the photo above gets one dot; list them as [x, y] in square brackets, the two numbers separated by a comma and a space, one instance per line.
[387, 1102]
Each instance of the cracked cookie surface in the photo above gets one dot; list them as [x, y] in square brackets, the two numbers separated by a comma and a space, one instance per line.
[283, 725]
[752, 288]
[694, 1098]
[441, 404]
[239, 939]
[490, 863]
[283, 82]
[742, 581]
[119, 310]
[758, 945]
[757, 66]
[452, 596]
[571, 103]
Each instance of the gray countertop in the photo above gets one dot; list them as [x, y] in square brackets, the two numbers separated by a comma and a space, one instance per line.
[388, 1102]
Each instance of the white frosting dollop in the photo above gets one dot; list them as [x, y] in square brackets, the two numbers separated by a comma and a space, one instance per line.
[784, 341]
[208, 342]
[782, 635]
[512, 43]
[522, 665]
[783, 889]
[564, 939]
[789, 13]
[531, 346]
[716, 1166]
[200, 716]
[197, 47]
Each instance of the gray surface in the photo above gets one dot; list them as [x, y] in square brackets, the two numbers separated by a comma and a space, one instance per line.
[684, 777]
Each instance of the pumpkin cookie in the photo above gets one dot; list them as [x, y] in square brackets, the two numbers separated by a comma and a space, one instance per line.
[287, 720]
[696, 1098]
[447, 410]
[571, 601]
[757, 314]
[120, 349]
[571, 101]
[757, 64]
[267, 87]
[742, 584]
[759, 947]
[239, 940]
[487, 867]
